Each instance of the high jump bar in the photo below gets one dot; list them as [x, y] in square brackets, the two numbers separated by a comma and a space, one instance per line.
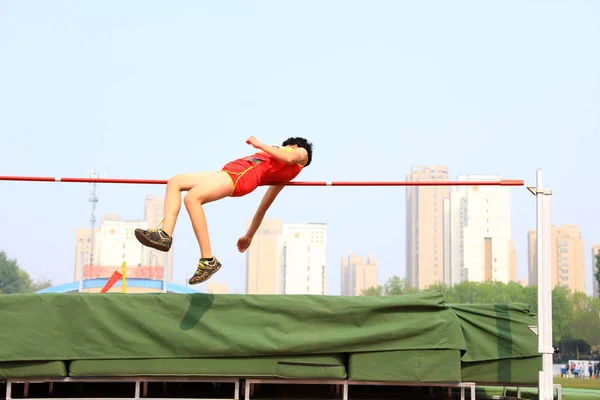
[502, 182]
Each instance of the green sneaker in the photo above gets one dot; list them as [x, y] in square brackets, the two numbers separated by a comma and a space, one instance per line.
[207, 267]
[154, 238]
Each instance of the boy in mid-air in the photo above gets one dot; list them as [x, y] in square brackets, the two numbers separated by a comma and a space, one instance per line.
[269, 166]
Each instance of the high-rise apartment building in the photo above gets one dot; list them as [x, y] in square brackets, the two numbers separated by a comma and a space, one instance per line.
[304, 259]
[425, 226]
[83, 250]
[477, 233]
[358, 275]
[263, 258]
[287, 259]
[117, 242]
[595, 289]
[567, 257]
[532, 257]
[114, 242]
[513, 261]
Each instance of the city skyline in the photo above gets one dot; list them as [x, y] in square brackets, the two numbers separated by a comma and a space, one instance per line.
[273, 234]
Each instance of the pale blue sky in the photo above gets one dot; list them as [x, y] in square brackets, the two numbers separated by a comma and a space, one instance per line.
[149, 89]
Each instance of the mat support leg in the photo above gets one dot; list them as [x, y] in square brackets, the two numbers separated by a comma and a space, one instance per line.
[558, 391]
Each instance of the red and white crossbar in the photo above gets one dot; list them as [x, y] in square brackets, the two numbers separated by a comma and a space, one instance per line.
[503, 182]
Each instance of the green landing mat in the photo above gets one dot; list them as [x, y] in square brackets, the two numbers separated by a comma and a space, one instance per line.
[80, 326]
[406, 366]
[33, 369]
[299, 367]
[497, 331]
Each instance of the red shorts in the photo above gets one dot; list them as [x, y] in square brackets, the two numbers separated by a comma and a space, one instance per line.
[243, 177]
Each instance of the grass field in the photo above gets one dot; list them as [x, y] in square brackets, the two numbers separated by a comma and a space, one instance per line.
[572, 389]
[578, 383]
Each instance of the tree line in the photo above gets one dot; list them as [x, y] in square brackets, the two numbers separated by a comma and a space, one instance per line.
[13, 279]
[575, 315]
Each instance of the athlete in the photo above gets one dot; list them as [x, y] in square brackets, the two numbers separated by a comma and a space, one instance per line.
[269, 166]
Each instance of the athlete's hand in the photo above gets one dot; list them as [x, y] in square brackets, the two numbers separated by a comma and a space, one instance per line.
[243, 243]
[253, 142]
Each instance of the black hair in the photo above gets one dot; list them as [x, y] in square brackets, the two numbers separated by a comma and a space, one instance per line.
[300, 142]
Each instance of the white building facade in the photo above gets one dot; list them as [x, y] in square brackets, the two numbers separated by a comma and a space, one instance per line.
[477, 230]
[303, 259]
[287, 259]
[116, 243]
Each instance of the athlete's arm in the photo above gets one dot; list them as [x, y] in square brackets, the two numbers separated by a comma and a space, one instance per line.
[288, 157]
[264, 205]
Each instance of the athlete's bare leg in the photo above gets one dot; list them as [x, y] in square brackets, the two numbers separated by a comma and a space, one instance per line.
[202, 187]
[212, 188]
[213, 183]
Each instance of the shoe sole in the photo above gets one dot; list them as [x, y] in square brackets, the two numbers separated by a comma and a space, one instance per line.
[143, 240]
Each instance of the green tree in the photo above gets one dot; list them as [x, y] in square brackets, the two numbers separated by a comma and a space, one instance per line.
[373, 291]
[585, 325]
[447, 291]
[40, 284]
[529, 296]
[562, 314]
[465, 292]
[15, 280]
[393, 287]
[12, 278]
